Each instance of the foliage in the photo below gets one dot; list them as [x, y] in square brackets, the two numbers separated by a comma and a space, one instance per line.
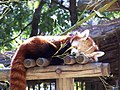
[1, 66]
[88, 17]
[16, 18]
[54, 20]
[17, 15]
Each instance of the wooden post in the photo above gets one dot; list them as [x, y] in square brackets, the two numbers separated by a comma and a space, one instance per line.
[65, 84]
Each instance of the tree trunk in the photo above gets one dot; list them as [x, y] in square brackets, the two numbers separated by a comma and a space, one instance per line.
[73, 12]
[36, 19]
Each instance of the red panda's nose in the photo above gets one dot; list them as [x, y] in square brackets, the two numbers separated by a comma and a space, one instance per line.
[73, 54]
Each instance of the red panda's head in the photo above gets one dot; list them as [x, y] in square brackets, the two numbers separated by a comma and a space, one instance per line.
[83, 44]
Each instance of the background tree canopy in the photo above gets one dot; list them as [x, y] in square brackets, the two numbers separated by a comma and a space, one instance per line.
[24, 19]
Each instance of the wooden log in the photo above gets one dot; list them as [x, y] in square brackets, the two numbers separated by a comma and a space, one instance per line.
[106, 69]
[108, 47]
[114, 67]
[42, 62]
[107, 39]
[67, 71]
[82, 59]
[69, 60]
[113, 54]
[29, 63]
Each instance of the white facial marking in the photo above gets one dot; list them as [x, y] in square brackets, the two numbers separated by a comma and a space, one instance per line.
[75, 51]
[75, 43]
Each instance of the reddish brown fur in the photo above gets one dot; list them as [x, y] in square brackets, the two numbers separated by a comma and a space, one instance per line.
[18, 71]
[86, 44]
[36, 46]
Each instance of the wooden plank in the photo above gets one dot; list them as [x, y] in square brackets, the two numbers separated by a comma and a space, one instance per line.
[75, 67]
[65, 84]
[65, 71]
[53, 75]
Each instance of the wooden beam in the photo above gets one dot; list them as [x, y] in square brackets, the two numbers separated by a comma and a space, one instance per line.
[64, 71]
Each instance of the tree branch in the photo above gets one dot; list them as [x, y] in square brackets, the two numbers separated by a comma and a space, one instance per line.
[36, 19]
[61, 5]
[18, 34]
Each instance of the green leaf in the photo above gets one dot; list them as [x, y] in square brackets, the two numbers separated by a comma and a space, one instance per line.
[98, 13]
[36, 4]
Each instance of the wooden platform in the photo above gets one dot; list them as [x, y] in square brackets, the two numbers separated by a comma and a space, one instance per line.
[65, 71]
[64, 74]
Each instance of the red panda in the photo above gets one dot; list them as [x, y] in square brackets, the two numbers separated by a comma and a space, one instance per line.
[39, 46]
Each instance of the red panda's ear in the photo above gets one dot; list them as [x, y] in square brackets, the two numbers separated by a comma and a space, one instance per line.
[74, 38]
[98, 53]
[84, 35]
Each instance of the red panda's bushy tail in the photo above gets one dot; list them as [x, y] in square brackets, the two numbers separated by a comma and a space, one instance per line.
[18, 71]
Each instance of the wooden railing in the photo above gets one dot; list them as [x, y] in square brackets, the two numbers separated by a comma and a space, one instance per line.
[64, 74]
